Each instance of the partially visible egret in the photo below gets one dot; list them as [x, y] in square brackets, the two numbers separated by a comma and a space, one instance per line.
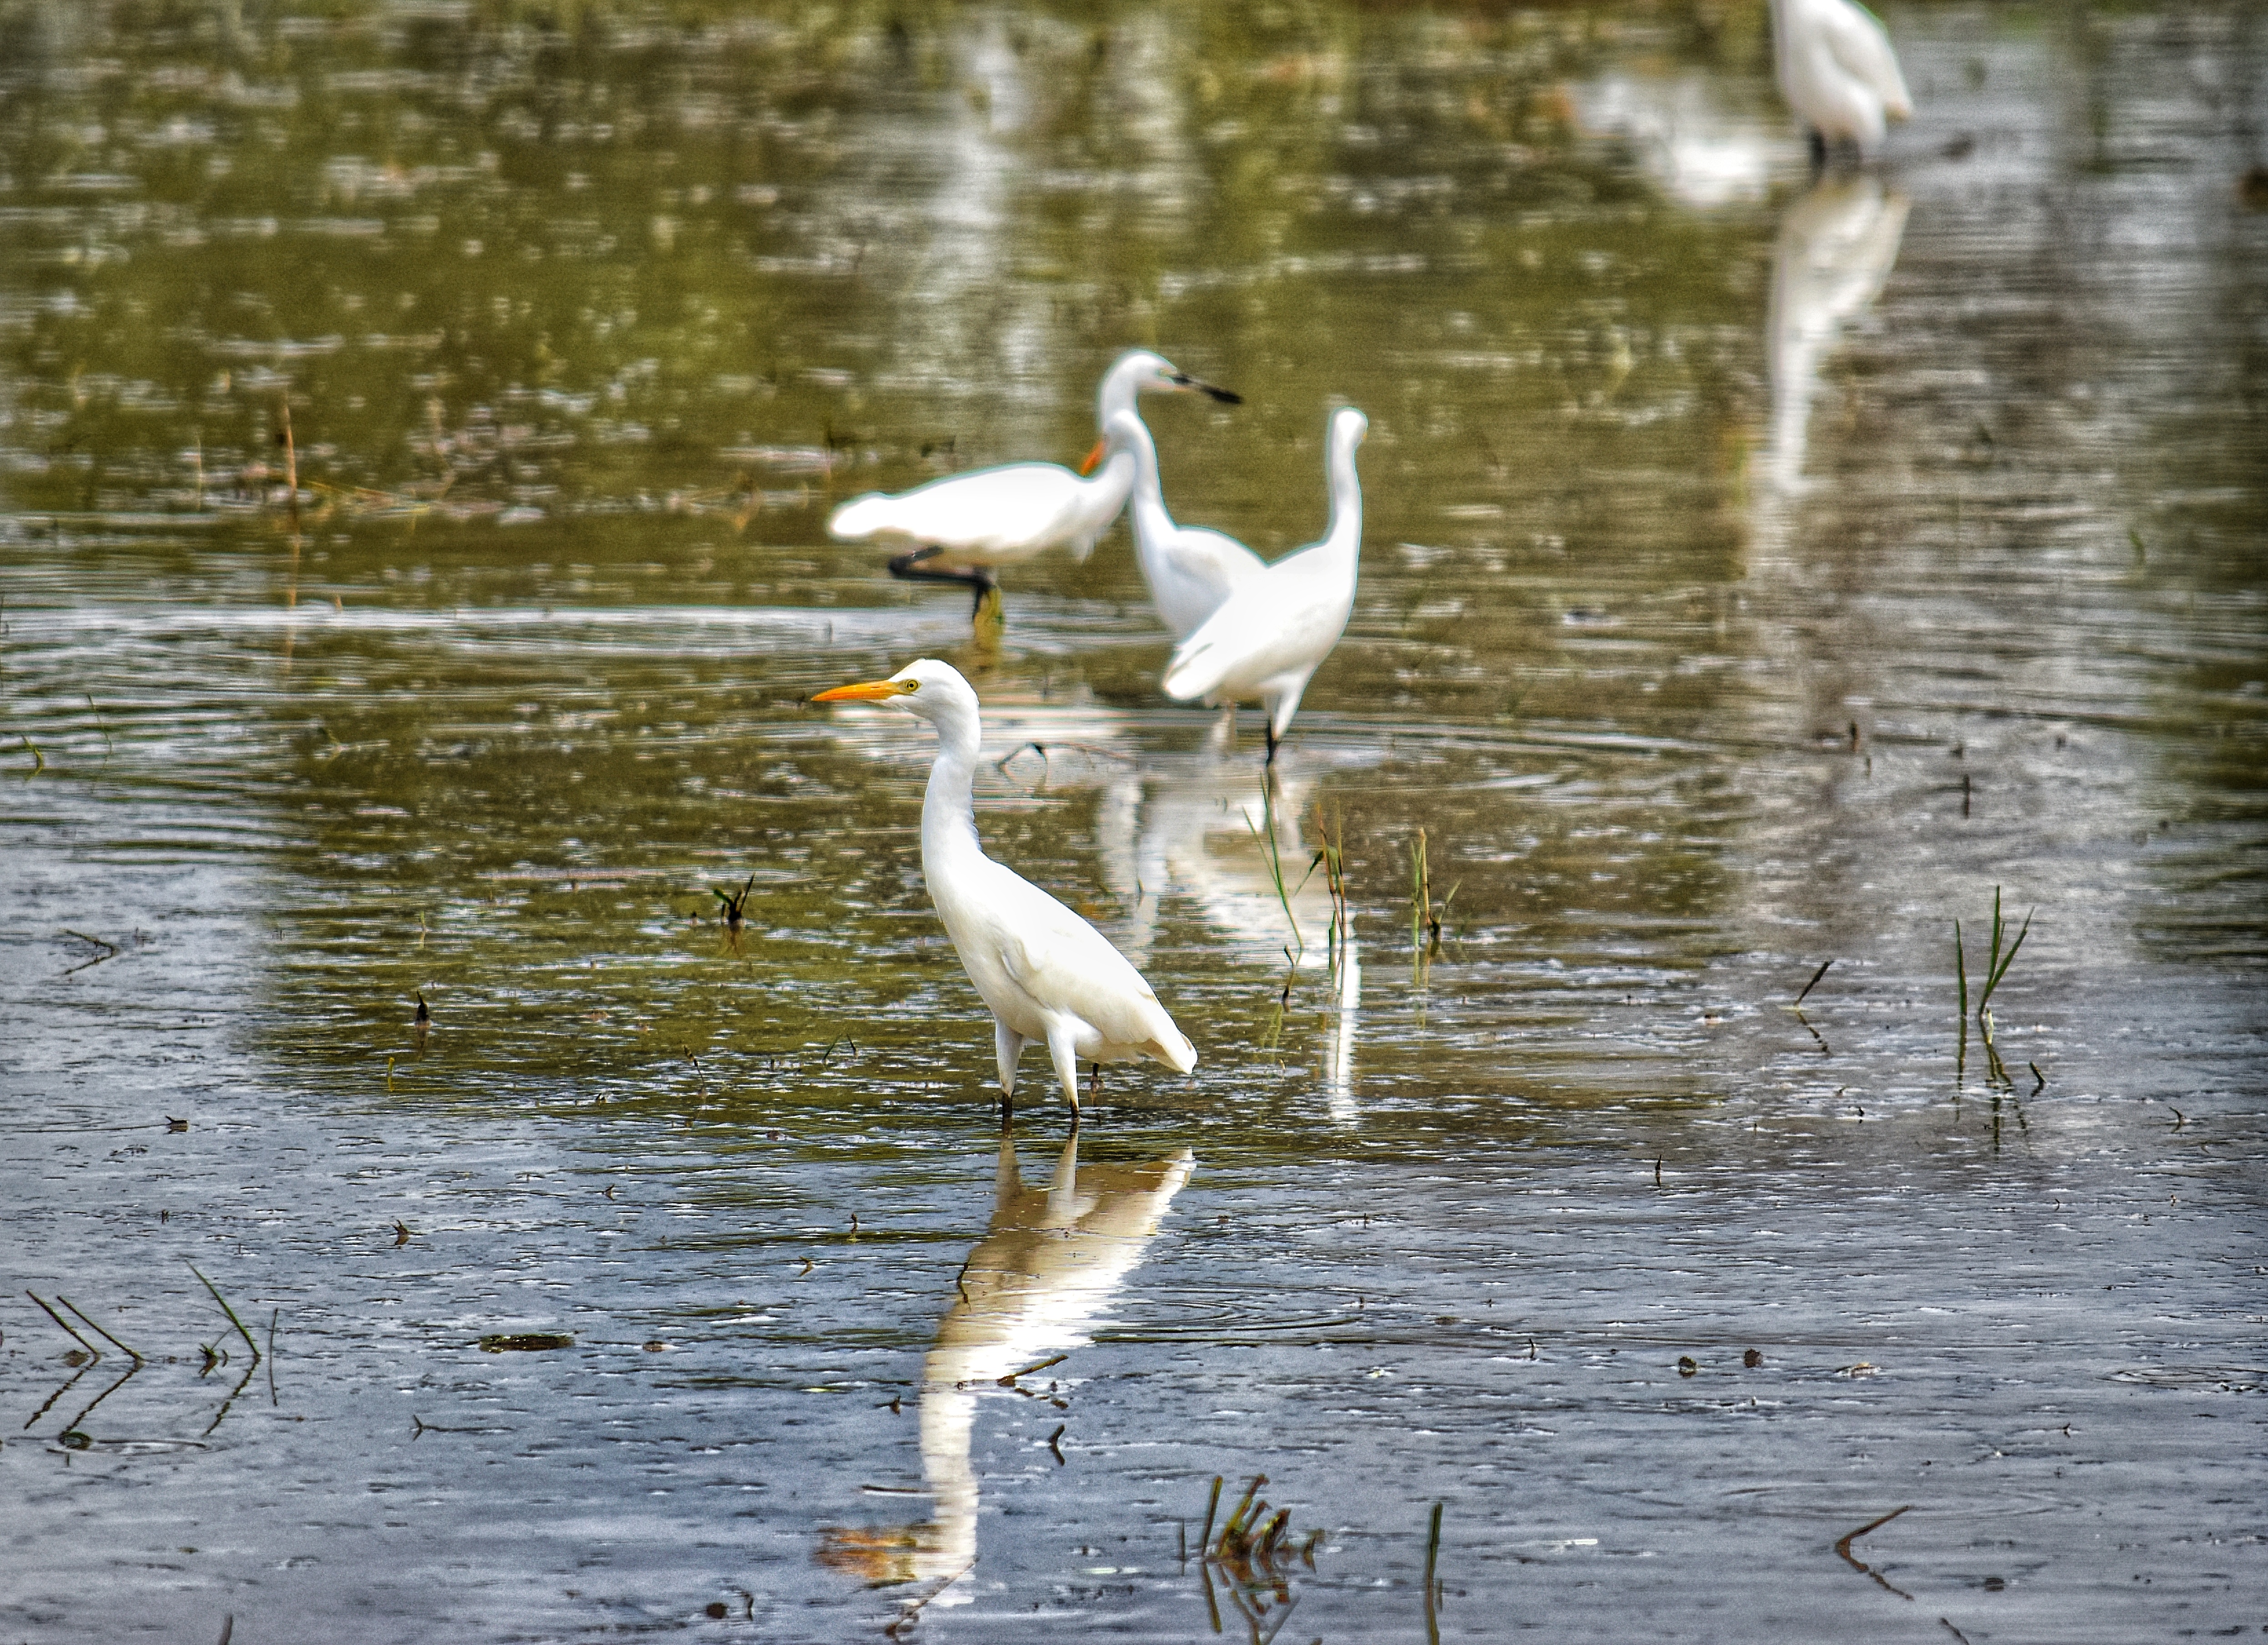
[1046, 973]
[1837, 72]
[964, 526]
[1190, 569]
[1270, 636]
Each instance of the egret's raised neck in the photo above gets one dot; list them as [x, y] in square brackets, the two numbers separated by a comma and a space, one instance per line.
[1122, 384]
[949, 804]
[1346, 432]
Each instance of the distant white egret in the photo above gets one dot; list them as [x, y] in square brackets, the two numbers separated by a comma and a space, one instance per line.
[1270, 636]
[1046, 973]
[1837, 72]
[1190, 569]
[964, 526]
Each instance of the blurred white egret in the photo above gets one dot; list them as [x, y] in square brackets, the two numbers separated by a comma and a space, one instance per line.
[1190, 569]
[1837, 72]
[1046, 973]
[1269, 637]
[964, 526]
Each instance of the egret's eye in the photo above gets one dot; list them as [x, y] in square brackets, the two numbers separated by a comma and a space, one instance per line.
[909, 686]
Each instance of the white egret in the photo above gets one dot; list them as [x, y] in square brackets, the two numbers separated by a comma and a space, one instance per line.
[1046, 973]
[1270, 636]
[1837, 72]
[964, 526]
[1190, 569]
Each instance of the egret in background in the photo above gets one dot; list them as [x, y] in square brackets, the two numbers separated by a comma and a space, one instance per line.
[1837, 72]
[1046, 973]
[964, 526]
[1270, 636]
[1190, 569]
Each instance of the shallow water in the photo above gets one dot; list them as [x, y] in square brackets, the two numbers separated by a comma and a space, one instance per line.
[1757, 575]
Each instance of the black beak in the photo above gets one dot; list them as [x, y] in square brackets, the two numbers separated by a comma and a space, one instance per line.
[1227, 396]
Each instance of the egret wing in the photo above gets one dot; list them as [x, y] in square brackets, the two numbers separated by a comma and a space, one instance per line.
[1066, 966]
[1020, 507]
[1861, 48]
[1267, 625]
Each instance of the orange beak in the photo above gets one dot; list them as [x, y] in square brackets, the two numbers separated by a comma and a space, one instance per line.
[1095, 456]
[869, 691]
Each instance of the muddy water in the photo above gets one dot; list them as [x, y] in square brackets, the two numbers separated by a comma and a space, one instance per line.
[1758, 574]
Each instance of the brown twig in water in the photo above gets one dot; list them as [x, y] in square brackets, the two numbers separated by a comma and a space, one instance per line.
[1814, 983]
[97, 1330]
[1433, 1555]
[112, 949]
[1843, 1548]
[1945, 1624]
[64, 1326]
[273, 1315]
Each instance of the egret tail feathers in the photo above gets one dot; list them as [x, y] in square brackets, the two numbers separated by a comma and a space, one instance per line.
[863, 517]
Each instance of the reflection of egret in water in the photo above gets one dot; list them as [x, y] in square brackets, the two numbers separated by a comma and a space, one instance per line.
[1701, 153]
[1206, 828]
[1051, 1260]
[1836, 247]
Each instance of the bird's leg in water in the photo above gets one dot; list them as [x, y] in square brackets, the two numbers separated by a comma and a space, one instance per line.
[1818, 151]
[1269, 726]
[910, 566]
[987, 592]
[1093, 1078]
[1066, 1062]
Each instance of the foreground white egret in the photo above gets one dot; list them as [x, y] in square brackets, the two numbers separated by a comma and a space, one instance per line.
[1837, 72]
[964, 526]
[1046, 973]
[1270, 636]
[1190, 569]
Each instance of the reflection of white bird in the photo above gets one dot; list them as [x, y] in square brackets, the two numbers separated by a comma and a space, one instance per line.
[1048, 1264]
[1191, 569]
[1270, 636]
[963, 525]
[1702, 146]
[1836, 246]
[1046, 973]
[1837, 72]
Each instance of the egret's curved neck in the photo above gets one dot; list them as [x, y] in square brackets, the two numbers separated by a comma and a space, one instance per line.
[949, 805]
[1345, 533]
[1149, 492]
[1122, 384]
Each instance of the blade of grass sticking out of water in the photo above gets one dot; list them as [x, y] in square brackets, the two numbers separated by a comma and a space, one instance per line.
[1961, 1019]
[2008, 958]
[97, 1330]
[231, 1312]
[1420, 896]
[1270, 844]
[1960, 970]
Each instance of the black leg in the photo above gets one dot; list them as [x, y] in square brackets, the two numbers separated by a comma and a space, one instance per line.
[1007, 1109]
[1818, 152]
[1269, 726]
[910, 567]
[986, 584]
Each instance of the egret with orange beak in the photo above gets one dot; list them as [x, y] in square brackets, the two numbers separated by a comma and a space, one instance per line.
[1044, 972]
[965, 526]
